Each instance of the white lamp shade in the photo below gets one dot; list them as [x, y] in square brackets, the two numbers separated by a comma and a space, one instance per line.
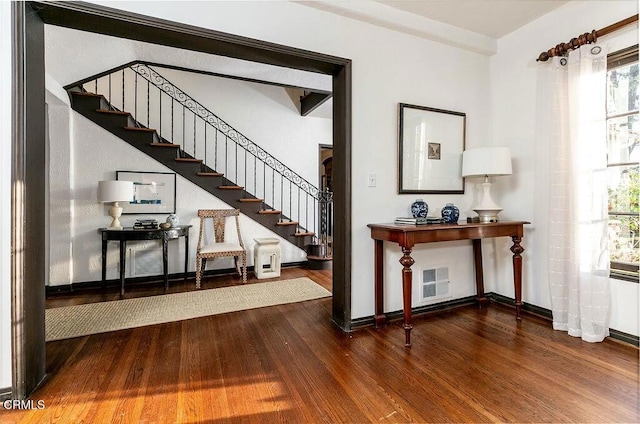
[486, 161]
[115, 191]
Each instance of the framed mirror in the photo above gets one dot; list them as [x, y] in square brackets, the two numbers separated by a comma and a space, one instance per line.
[430, 146]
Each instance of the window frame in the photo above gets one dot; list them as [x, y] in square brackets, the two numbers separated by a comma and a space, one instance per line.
[623, 270]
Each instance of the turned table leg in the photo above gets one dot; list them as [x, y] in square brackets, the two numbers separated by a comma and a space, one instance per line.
[517, 273]
[407, 280]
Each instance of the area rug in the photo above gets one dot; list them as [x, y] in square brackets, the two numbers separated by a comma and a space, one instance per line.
[80, 320]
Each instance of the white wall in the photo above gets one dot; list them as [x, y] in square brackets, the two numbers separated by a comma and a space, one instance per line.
[513, 103]
[388, 68]
[6, 103]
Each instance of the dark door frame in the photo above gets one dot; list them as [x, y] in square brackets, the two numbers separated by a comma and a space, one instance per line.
[28, 178]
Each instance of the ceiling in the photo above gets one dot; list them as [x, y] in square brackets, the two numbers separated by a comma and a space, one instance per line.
[493, 18]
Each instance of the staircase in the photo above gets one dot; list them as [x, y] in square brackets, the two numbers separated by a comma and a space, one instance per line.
[258, 185]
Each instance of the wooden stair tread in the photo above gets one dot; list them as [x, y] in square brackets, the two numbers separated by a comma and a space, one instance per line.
[139, 129]
[85, 93]
[307, 234]
[164, 145]
[287, 223]
[113, 112]
[192, 160]
[230, 187]
[251, 200]
[210, 174]
[268, 211]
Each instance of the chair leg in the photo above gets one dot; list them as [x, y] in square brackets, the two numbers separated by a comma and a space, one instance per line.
[237, 264]
[198, 271]
[244, 268]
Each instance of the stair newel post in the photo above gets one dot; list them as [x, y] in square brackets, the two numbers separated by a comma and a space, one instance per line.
[325, 199]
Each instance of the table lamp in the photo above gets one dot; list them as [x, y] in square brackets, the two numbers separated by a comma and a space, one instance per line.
[115, 191]
[486, 162]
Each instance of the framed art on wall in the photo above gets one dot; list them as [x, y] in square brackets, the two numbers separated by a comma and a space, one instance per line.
[154, 192]
[430, 146]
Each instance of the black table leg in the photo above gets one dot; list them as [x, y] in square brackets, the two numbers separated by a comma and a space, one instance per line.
[104, 264]
[123, 265]
[186, 254]
[165, 254]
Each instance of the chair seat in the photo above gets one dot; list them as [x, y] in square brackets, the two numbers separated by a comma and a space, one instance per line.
[220, 247]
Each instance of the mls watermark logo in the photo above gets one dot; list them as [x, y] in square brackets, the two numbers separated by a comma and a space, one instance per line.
[23, 404]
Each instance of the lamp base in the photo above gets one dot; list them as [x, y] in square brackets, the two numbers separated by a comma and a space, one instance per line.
[115, 212]
[487, 215]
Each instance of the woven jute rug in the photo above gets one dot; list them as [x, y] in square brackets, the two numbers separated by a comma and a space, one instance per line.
[80, 320]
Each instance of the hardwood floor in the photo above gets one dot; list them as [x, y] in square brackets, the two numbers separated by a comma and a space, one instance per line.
[290, 364]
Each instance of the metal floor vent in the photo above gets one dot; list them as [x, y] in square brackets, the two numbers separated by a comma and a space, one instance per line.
[435, 284]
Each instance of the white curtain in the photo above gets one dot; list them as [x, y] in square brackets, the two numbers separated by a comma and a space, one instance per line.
[571, 122]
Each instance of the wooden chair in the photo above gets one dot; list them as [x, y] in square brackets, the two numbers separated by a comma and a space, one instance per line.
[219, 248]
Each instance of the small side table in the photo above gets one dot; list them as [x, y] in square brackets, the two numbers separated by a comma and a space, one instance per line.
[130, 234]
[266, 247]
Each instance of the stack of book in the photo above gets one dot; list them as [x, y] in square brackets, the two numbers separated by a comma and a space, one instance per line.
[419, 221]
[145, 224]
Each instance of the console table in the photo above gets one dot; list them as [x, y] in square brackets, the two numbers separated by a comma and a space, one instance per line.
[408, 236]
[130, 234]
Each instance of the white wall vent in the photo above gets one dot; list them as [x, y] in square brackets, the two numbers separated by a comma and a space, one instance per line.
[144, 260]
[434, 284]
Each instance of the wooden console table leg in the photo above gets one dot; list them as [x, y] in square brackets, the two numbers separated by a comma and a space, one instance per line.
[517, 273]
[477, 258]
[165, 260]
[407, 280]
[378, 259]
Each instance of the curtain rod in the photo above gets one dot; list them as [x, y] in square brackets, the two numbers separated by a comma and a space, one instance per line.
[586, 38]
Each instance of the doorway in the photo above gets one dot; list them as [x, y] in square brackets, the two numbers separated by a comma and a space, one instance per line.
[29, 143]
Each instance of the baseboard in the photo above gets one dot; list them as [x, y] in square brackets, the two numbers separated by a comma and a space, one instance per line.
[418, 311]
[548, 315]
[494, 297]
[133, 281]
[5, 394]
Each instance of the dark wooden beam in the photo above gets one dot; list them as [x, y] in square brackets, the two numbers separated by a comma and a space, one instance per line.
[108, 21]
[312, 101]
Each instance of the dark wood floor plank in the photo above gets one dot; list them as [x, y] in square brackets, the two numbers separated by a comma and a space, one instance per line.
[290, 364]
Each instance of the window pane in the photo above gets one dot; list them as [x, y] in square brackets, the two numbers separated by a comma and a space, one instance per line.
[623, 239]
[622, 90]
[623, 189]
[623, 139]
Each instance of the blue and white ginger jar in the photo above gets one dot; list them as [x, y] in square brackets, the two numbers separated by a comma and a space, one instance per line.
[450, 213]
[173, 220]
[419, 208]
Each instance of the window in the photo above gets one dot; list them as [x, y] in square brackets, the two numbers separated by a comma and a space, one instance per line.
[623, 127]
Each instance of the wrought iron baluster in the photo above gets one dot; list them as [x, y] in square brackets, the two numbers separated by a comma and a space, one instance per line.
[215, 149]
[109, 89]
[244, 190]
[194, 135]
[148, 103]
[135, 100]
[160, 114]
[184, 142]
[205, 144]
[172, 134]
[123, 108]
